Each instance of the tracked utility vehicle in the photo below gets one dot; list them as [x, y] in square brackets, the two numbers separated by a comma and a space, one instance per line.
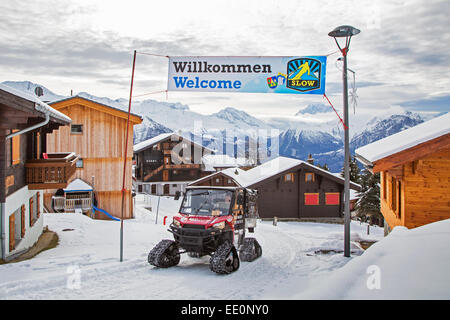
[212, 221]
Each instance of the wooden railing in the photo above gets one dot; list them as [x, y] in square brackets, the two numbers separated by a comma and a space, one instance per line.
[51, 173]
[63, 204]
[182, 166]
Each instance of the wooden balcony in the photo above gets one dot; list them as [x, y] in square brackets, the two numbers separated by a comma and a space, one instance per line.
[51, 173]
[182, 166]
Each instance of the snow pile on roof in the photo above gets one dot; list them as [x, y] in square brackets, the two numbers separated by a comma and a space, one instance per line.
[78, 185]
[212, 161]
[270, 168]
[406, 139]
[39, 105]
[144, 144]
[411, 264]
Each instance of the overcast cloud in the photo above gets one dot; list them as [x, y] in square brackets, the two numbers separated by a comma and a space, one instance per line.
[401, 56]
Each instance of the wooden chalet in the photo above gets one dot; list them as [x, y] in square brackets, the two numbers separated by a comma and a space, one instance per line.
[97, 134]
[414, 168]
[166, 163]
[27, 167]
[288, 189]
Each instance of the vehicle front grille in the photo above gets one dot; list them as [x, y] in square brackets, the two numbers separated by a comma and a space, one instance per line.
[193, 226]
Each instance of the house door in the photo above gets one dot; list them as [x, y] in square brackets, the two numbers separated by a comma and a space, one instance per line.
[166, 188]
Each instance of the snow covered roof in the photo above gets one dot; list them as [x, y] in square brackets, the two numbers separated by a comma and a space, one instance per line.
[163, 136]
[212, 161]
[39, 105]
[78, 185]
[98, 101]
[237, 174]
[406, 139]
[271, 168]
[281, 164]
[149, 142]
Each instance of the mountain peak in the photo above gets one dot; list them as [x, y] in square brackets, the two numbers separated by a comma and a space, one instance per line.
[234, 115]
[314, 108]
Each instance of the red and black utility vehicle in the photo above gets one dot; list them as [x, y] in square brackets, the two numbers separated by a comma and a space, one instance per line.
[212, 221]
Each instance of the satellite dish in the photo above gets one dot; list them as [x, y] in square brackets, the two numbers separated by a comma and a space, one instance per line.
[39, 91]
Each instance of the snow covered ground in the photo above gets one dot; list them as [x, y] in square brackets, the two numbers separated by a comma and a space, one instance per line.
[85, 264]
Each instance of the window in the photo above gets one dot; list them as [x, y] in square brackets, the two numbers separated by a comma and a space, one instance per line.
[393, 194]
[76, 128]
[289, 177]
[311, 199]
[79, 163]
[332, 198]
[384, 182]
[15, 149]
[309, 177]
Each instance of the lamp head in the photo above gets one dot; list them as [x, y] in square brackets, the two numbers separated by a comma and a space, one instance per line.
[344, 31]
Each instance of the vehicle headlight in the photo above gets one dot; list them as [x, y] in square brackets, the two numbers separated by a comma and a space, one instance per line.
[176, 223]
[219, 225]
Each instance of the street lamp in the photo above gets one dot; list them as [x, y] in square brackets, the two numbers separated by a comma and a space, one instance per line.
[345, 32]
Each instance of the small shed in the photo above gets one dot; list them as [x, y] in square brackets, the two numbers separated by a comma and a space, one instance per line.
[77, 197]
[414, 167]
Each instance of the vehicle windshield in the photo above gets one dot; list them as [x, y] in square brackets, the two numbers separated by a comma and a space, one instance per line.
[211, 202]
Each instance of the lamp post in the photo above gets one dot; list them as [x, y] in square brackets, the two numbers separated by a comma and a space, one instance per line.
[345, 32]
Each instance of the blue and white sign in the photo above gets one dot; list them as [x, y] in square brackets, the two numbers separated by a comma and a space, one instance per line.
[298, 75]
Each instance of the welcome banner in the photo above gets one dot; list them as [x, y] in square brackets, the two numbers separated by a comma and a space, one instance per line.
[296, 75]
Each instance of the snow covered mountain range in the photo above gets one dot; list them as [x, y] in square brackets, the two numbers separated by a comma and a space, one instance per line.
[313, 129]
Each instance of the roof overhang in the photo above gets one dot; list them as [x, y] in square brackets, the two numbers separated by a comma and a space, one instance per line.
[66, 102]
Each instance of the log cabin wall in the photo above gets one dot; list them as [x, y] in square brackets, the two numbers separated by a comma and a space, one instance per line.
[285, 197]
[218, 180]
[418, 194]
[155, 163]
[100, 146]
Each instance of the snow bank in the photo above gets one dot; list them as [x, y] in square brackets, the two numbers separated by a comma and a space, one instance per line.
[411, 264]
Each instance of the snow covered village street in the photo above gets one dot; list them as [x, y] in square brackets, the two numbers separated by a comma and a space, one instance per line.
[85, 264]
[90, 251]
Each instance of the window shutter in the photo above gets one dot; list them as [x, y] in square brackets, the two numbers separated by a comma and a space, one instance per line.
[31, 211]
[332, 198]
[15, 149]
[311, 199]
[12, 240]
[38, 204]
[22, 224]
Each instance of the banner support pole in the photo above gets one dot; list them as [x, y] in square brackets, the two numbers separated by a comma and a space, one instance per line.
[125, 158]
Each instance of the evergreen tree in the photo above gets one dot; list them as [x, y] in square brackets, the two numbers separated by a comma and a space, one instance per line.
[324, 167]
[368, 205]
[355, 172]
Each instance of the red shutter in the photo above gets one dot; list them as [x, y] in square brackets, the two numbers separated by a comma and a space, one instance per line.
[22, 220]
[311, 198]
[332, 198]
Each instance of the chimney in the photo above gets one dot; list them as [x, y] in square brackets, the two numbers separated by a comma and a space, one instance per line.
[310, 159]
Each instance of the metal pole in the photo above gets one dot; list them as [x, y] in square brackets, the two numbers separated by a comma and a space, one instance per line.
[125, 159]
[157, 210]
[346, 163]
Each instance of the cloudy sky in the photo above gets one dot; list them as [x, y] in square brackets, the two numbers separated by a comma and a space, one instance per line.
[401, 57]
